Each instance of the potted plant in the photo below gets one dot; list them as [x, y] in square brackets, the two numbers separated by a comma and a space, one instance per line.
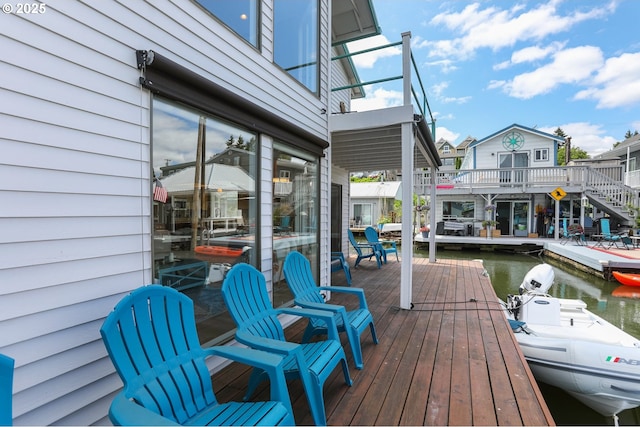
[489, 229]
[382, 221]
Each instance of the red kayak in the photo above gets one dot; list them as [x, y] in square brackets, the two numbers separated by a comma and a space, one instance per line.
[628, 279]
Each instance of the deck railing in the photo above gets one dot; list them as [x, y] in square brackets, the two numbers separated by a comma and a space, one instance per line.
[603, 183]
[408, 76]
[632, 179]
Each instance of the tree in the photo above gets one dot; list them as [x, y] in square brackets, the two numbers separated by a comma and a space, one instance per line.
[576, 153]
[560, 132]
[629, 134]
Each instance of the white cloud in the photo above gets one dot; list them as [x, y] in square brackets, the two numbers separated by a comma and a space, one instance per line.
[495, 28]
[377, 99]
[368, 60]
[443, 132]
[569, 66]
[616, 83]
[446, 65]
[438, 92]
[587, 136]
[530, 54]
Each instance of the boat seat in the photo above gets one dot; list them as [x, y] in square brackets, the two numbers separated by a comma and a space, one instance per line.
[572, 305]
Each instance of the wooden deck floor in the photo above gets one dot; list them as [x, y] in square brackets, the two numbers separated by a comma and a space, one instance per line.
[452, 360]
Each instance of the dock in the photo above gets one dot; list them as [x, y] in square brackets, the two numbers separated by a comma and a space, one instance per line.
[589, 257]
[451, 360]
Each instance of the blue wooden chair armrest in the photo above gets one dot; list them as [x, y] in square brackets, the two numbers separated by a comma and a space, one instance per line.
[359, 292]
[283, 348]
[271, 363]
[327, 318]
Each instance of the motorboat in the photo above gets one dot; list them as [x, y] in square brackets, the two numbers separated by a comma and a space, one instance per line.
[627, 279]
[569, 347]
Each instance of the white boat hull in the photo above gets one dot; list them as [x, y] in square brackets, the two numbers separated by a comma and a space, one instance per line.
[603, 377]
[573, 349]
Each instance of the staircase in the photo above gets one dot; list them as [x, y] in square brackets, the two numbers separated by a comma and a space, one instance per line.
[612, 196]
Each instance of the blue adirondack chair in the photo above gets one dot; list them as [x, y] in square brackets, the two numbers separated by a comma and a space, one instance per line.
[245, 293]
[338, 262]
[364, 251]
[613, 238]
[152, 340]
[6, 390]
[372, 238]
[297, 273]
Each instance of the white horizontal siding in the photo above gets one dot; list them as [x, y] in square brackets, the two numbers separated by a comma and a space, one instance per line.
[75, 233]
[75, 226]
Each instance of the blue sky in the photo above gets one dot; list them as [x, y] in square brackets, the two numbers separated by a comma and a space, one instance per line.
[573, 64]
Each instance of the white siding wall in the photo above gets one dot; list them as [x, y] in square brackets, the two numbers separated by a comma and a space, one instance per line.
[484, 159]
[74, 178]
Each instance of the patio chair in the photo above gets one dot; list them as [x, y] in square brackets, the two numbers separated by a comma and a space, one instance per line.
[573, 232]
[372, 237]
[297, 273]
[6, 389]
[613, 238]
[152, 340]
[245, 293]
[364, 251]
[338, 262]
[284, 227]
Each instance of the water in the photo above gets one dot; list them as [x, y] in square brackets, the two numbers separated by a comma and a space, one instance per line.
[507, 270]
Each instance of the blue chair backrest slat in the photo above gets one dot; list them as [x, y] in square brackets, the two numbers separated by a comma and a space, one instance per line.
[371, 234]
[246, 296]
[304, 286]
[352, 239]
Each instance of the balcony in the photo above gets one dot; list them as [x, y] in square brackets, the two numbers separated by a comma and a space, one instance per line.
[373, 140]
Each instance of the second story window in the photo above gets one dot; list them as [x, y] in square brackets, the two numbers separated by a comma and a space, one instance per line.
[541, 154]
[242, 16]
[296, 39]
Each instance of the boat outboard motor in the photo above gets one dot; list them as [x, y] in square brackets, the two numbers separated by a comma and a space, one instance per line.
[538, 280]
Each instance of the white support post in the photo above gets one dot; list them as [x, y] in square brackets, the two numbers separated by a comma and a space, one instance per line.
[406, 271]
[407, 138]
[432, 216]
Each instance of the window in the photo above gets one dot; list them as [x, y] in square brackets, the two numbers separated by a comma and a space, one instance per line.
[208, 167]
[541, 155]
[242, 16]
[452, 210]
[446, 149]
[295, 213]
[296, 39]
[362, 214]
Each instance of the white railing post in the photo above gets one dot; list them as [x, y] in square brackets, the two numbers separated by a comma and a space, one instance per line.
[406, 68]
